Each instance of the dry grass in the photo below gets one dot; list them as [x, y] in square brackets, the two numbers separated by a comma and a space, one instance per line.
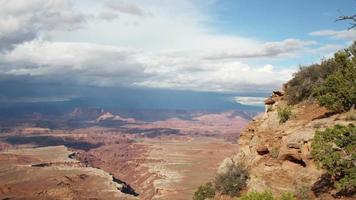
[224, 197]
[351, 115]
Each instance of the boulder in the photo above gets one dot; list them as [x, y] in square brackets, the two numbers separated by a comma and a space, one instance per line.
[262, 150]
[287, 153]
[297, 138]
[277, 93]
[269, 101]
[292, 155]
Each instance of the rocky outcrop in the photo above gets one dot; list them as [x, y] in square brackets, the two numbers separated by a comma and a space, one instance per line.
[278, 155]
[48, 173]
[270, 101]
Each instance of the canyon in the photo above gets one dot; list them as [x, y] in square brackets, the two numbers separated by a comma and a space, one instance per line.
[165, 158]
[48, 173]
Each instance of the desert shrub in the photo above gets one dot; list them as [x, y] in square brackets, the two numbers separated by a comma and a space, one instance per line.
[284, 113]
[266, 195]
[351, 115]
[274, 152]
[302, 192]
[300, 87]
[287, 196]
[334, 150]
[318, 125]
[232, 181]
[338, 92]
[304, 82]
[258, 196]
[204, 192]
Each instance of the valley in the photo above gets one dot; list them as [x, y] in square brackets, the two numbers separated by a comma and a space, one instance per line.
[165, 158]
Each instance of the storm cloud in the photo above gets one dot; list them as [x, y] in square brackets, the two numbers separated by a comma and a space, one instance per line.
[22, 20]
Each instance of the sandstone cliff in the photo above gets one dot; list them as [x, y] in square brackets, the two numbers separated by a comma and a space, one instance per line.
[276, 154]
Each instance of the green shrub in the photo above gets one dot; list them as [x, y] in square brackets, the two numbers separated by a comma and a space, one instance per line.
[300, 87]
[287, 196]
[204, 192]
[302, 192]
[258, 196]
[335, 151]
[233, 181]
[304, 84]
[318, 125]
[284, 113]
[338, 92]
[267, 196]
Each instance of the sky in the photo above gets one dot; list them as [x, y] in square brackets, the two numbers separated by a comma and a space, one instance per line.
[191, 45]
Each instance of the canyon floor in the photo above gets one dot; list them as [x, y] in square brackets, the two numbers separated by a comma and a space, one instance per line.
[163, 159]
[184, 165]
[48, 173]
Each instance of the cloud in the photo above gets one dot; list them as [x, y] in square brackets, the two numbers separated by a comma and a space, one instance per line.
[34, 99]
[177, 26]
[251, 101]
[108, 16]
[329, 48]
[126, 8]
[269, 49]
[166, 50]
[215, 76]
[102, 65]
[58, 41]
[23, 20]
[344, 35]
[84, 63]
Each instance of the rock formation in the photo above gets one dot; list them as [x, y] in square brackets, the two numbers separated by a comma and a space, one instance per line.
[48, 173]
[276, 154]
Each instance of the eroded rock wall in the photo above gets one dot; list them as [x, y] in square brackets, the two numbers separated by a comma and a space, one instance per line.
[278, 155]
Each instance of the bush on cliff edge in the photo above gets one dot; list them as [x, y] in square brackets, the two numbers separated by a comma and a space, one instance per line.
[232, 181]
[204, 192]
[338, 92]
[332, 82]
[284, 113]
[335, 151]
[267, 196]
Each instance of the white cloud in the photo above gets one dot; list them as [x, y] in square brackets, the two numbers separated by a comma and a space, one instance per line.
[109, 16]
[329, 48]
[23, 20]
[216, 76]
[345, 34]
[269, 49]
[127, 8]
[95, 64]
[251, 101]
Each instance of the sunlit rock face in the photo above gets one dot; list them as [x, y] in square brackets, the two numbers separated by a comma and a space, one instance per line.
[277, 154]
[48, 173]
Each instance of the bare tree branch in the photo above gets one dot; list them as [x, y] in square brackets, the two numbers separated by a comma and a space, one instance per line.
[349, 18]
